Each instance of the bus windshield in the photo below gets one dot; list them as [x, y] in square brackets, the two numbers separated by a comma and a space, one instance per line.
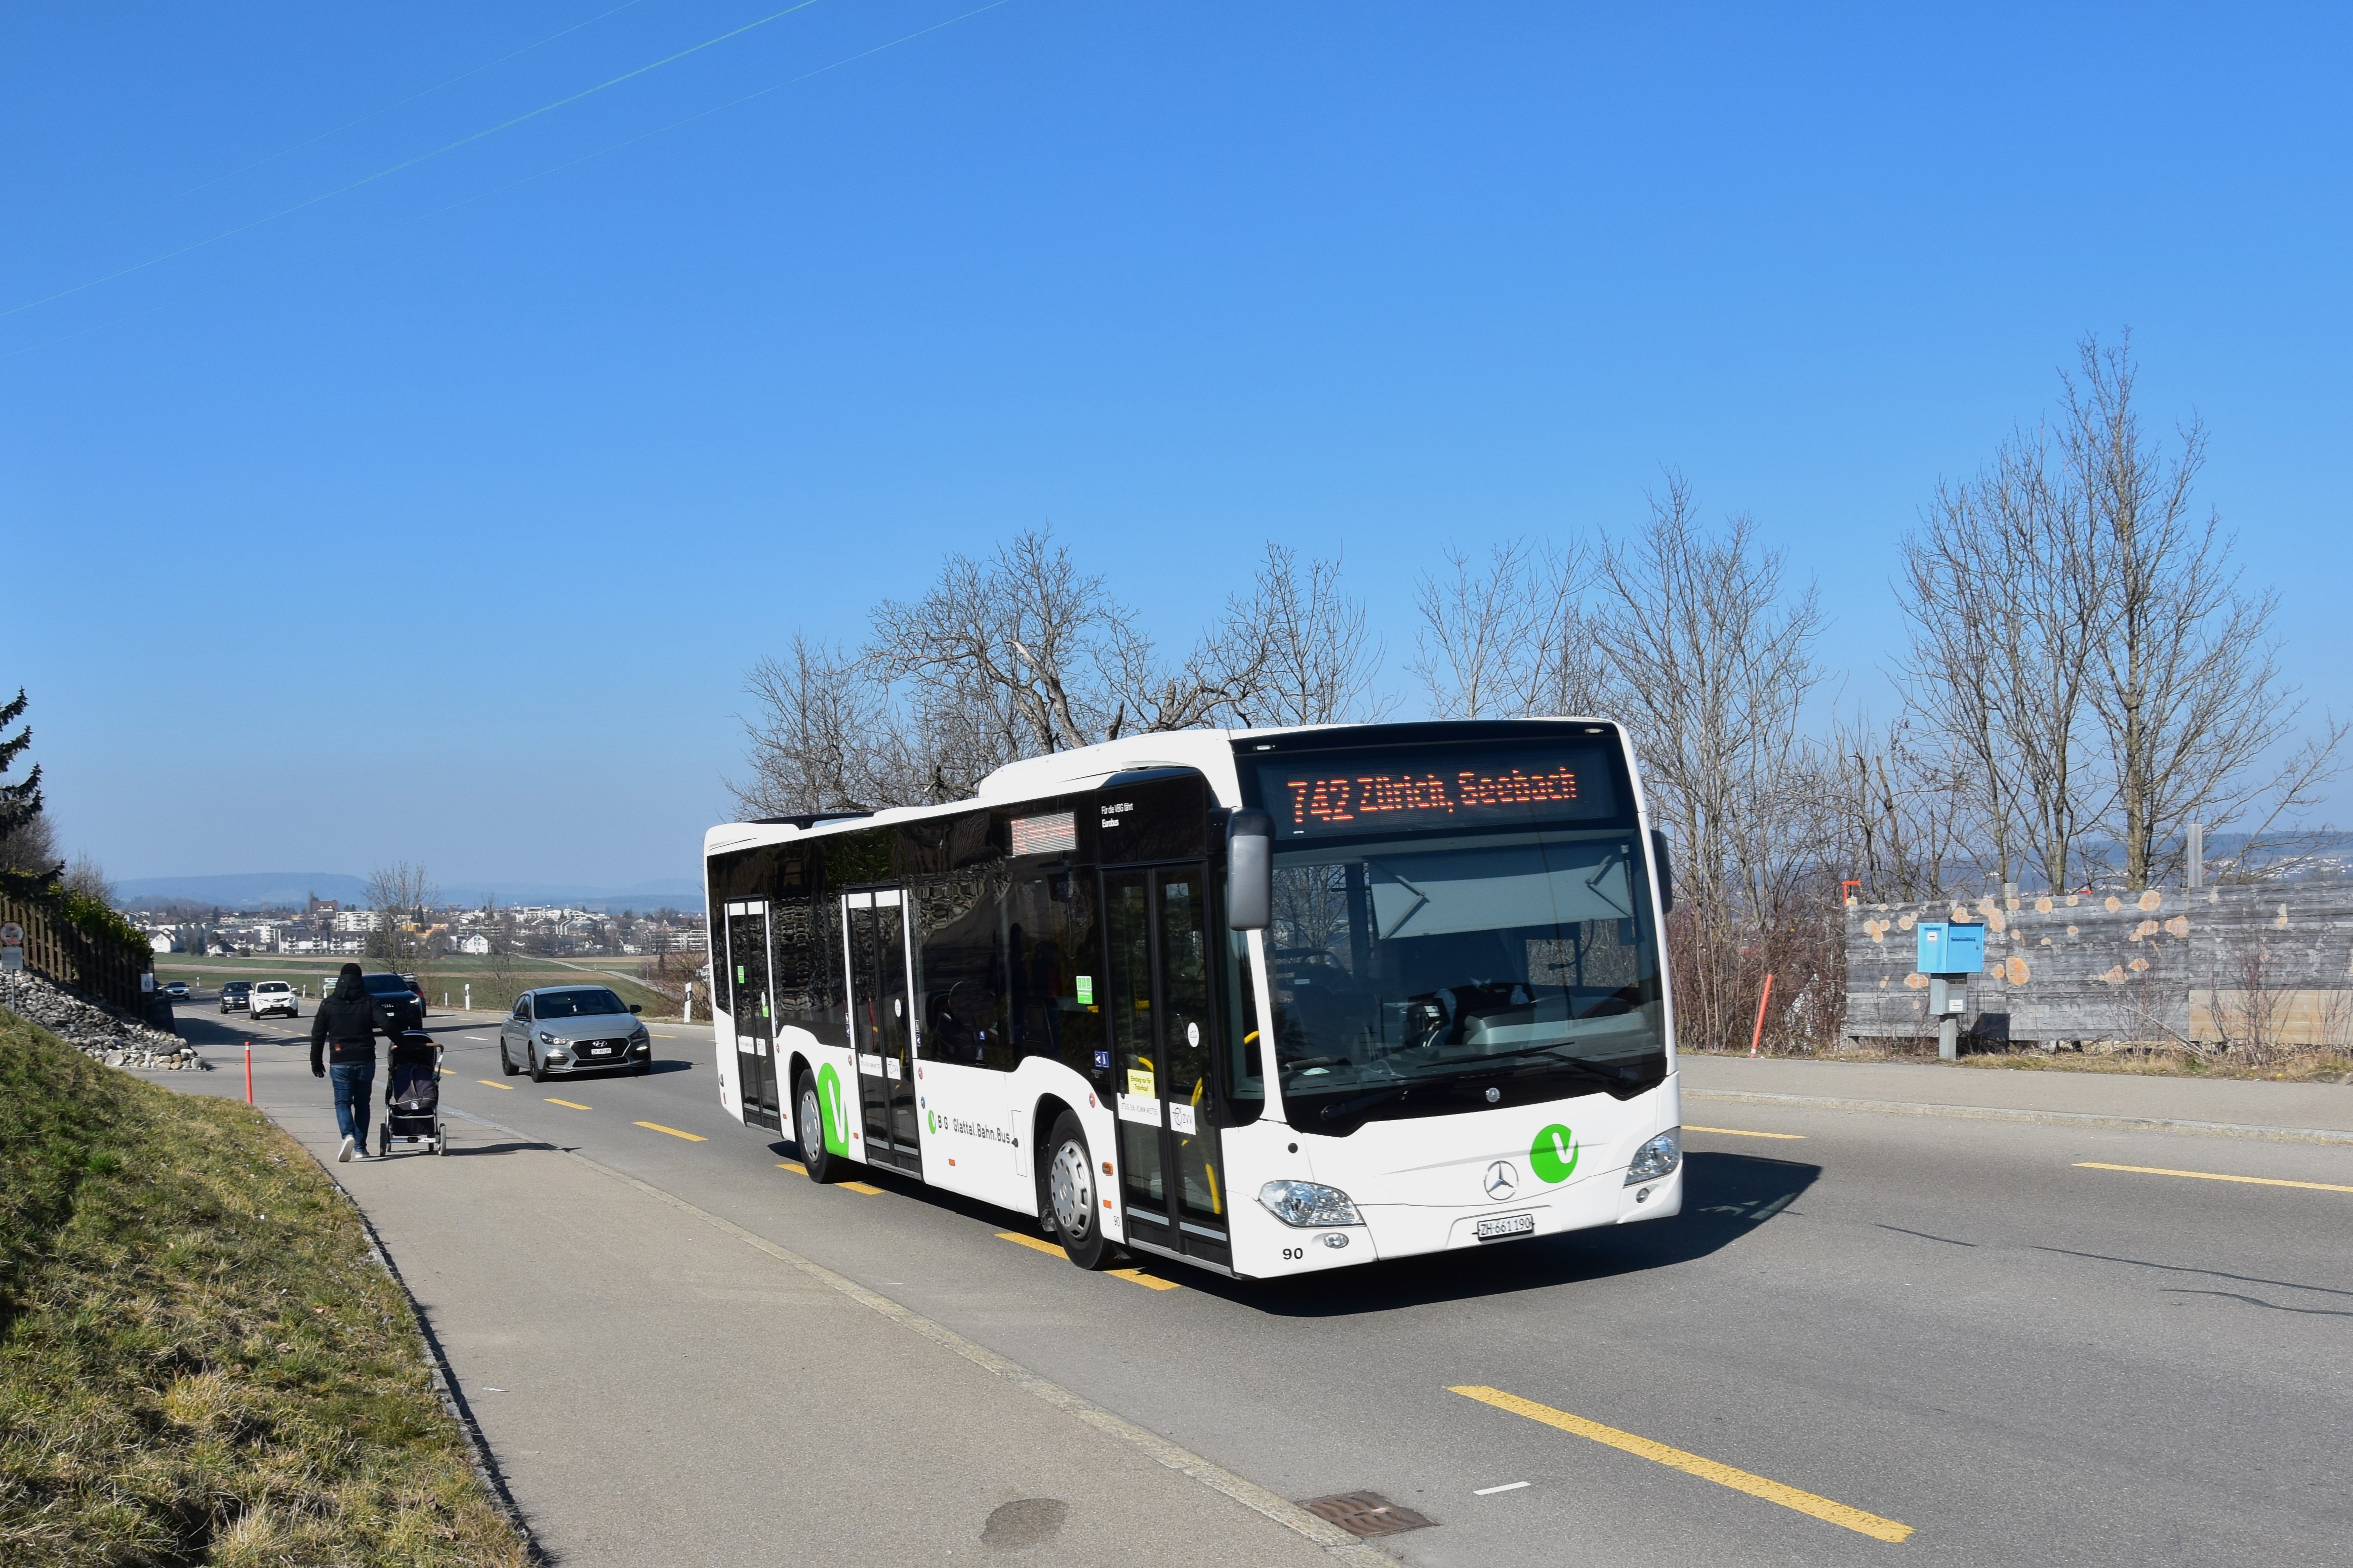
[1419, 975]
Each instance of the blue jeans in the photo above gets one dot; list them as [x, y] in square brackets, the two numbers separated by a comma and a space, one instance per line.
[352, 1081]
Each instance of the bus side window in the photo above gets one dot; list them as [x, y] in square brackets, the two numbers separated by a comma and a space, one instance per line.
[1238, 1069]
[964, 969]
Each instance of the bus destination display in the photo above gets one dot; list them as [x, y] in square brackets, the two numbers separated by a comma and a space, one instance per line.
[1052, 835]
[1487, 787]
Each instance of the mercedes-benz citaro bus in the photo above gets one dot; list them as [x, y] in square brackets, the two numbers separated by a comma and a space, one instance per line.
[1265, 1000]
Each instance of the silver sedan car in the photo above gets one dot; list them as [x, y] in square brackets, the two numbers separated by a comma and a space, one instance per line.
[573, 1028]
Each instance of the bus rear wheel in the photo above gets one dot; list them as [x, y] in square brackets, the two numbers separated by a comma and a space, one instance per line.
[1070, 1194]
[809, 1131]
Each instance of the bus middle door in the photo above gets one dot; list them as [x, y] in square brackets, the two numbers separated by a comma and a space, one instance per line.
[881, 1024]
[1163, 1027]
[754, 1011]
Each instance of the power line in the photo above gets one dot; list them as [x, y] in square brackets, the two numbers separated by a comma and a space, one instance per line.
[400, 103]
[585, 157]
[701, 114]
[411, 162]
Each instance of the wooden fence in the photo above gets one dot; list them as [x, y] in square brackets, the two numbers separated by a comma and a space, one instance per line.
[106, 970]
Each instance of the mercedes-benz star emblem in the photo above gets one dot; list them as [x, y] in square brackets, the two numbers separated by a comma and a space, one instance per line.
[1502, 1180]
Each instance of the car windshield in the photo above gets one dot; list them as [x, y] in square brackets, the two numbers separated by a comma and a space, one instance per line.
[273, 985]
[238, 985]
[386, 985]
[576, 1001]
[1414, 974]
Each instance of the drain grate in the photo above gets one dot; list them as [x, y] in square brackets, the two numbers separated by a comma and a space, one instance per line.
[1367, 1513]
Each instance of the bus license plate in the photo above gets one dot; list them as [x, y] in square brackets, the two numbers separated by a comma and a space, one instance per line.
[1506, 1224]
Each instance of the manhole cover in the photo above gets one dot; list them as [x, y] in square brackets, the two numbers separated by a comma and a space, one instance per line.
[1367, 1513]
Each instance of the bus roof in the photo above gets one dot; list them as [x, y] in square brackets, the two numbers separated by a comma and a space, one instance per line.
[1207, 751]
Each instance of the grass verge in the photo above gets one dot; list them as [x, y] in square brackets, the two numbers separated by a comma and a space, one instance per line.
[199, 1360]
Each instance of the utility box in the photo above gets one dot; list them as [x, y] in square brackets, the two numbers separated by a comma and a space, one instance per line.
[1949, 947]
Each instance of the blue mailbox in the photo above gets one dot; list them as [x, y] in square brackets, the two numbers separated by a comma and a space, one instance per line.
[1949, 947]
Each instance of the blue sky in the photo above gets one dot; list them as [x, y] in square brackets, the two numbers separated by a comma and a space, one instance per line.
[441, 518]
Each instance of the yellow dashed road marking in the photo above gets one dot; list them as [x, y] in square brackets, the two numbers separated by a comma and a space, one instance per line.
[2213, 1176]
[657, 1127]
[1138, 1276]
[871, 1192]
[1031, 1242]
[1745, 1132]
[568, 1104]
[1820, 1508]
[796, 1169]
[492, 1083]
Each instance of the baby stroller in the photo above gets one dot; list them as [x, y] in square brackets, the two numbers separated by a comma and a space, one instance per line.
[412, 1099]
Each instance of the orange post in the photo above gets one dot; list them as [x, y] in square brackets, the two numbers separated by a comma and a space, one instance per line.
[248, 1072]
[1756, 1036]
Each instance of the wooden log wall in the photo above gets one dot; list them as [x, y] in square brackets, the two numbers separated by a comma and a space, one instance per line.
[2272, 963]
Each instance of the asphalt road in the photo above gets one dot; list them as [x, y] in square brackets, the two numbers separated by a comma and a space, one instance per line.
[1954, 1331]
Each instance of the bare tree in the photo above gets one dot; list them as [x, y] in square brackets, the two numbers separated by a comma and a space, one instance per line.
[826, 738]
[2190, 693]
[1014, 656]
[31, 848]
[2002, 589]
[1714, 666]
[2081, 646]
[1321, 662]
[1508, 638]
[87, 877]
[398, 893]
[1897, 817]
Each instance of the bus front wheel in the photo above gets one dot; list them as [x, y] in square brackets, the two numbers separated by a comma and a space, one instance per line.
[809, 1131]
[1070, 1194]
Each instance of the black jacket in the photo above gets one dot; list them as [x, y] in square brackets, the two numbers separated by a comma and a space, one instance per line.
[347, 1020]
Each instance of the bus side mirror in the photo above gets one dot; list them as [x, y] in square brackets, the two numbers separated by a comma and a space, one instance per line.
[1666, 871]
[1249, 871]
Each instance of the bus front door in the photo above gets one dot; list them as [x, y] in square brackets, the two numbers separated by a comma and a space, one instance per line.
[1163, 1027]
[881, 1026]
[753, 1009]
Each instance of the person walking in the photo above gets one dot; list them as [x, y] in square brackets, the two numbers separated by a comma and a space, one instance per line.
[344, 1032]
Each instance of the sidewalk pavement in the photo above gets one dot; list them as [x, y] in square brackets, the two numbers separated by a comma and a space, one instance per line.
[2240, 1103]
[658, 1390]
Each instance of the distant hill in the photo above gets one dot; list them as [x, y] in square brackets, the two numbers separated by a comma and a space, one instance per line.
[245, 890]
[279, 890]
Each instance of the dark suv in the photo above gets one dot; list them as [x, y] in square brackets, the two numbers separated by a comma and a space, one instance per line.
[398, 1005]
[235, 995]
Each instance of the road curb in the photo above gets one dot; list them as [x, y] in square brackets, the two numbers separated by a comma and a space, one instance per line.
[2048, 1118]
[1338, 1544]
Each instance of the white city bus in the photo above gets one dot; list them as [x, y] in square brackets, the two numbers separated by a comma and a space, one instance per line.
[1267, 1001]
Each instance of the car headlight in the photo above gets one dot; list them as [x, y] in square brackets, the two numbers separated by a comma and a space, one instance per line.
[1307, 1203]
[547, 1039]
[1657, 1158]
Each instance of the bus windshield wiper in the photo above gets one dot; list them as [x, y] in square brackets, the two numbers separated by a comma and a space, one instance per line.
[1348, 1107]
[1605, 1075]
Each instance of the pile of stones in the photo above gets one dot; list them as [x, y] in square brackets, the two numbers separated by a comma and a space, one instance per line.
[93, 1028]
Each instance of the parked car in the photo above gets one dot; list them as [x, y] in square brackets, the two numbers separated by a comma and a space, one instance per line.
[271, 998]
[573, 1028]
[398, 1006]
[236, 995]
[177, 990]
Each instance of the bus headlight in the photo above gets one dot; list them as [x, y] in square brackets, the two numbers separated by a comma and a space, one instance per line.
[1657, 1158]
[1307, 1203]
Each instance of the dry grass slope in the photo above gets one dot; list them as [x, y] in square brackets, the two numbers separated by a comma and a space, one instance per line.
[199, 1360]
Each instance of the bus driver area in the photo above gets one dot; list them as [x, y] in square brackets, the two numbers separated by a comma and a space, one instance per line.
[1263, 1002]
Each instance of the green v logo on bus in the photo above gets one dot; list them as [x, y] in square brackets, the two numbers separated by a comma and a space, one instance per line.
[1553, 1156]
[829, 1109]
